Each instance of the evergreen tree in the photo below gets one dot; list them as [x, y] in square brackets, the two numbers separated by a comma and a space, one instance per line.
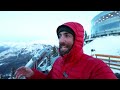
[54, 51]
[12, 72]
[85, 35]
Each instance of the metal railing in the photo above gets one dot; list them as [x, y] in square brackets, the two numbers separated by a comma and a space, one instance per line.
[39, 58]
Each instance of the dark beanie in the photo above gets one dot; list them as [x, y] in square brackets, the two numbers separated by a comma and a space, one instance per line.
[65, 28]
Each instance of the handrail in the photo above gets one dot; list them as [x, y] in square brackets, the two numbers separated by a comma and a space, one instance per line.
[110, 61]
[38, 57]
[111, 56]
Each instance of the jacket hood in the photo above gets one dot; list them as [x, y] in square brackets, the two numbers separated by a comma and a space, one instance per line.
[77, 49]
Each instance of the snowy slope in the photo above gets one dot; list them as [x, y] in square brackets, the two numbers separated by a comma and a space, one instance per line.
[20, 47]
[104, 45]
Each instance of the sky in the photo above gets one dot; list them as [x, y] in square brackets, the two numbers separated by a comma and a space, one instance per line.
[109, 45]
[26, 26]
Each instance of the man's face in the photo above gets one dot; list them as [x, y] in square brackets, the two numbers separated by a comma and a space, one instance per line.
[66, 41]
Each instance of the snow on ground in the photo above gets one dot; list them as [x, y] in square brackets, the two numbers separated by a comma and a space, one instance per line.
[104, 45]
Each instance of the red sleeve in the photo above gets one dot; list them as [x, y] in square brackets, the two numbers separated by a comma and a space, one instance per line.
[103, 71]
[38, 75]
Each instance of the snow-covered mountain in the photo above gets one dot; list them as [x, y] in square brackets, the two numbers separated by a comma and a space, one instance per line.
[14, 54]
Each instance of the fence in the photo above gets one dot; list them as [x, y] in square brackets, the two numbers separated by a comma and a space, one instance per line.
[111, 60]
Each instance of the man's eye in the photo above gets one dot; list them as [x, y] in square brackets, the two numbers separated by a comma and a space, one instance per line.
[59, 35]
[67, 35]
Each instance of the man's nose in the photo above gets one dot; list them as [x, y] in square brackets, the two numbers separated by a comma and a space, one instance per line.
[62, 39]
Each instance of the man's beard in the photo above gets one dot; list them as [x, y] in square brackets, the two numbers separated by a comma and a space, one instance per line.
[64, 52]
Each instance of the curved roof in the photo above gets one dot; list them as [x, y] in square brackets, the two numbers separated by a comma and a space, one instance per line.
[100, 15]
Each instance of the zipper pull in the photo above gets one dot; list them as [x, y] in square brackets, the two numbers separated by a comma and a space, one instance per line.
[65, 74]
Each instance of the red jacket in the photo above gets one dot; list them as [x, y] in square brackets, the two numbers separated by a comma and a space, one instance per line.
[76, 64]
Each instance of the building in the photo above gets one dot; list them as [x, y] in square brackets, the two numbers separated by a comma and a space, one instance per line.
[105, 23]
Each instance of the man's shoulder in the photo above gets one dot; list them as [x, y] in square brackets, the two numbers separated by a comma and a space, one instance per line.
[58, 59]
[94, 62]
[92, 59]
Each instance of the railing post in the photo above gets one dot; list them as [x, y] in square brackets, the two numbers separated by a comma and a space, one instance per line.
[109, 61]
[96, 55]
